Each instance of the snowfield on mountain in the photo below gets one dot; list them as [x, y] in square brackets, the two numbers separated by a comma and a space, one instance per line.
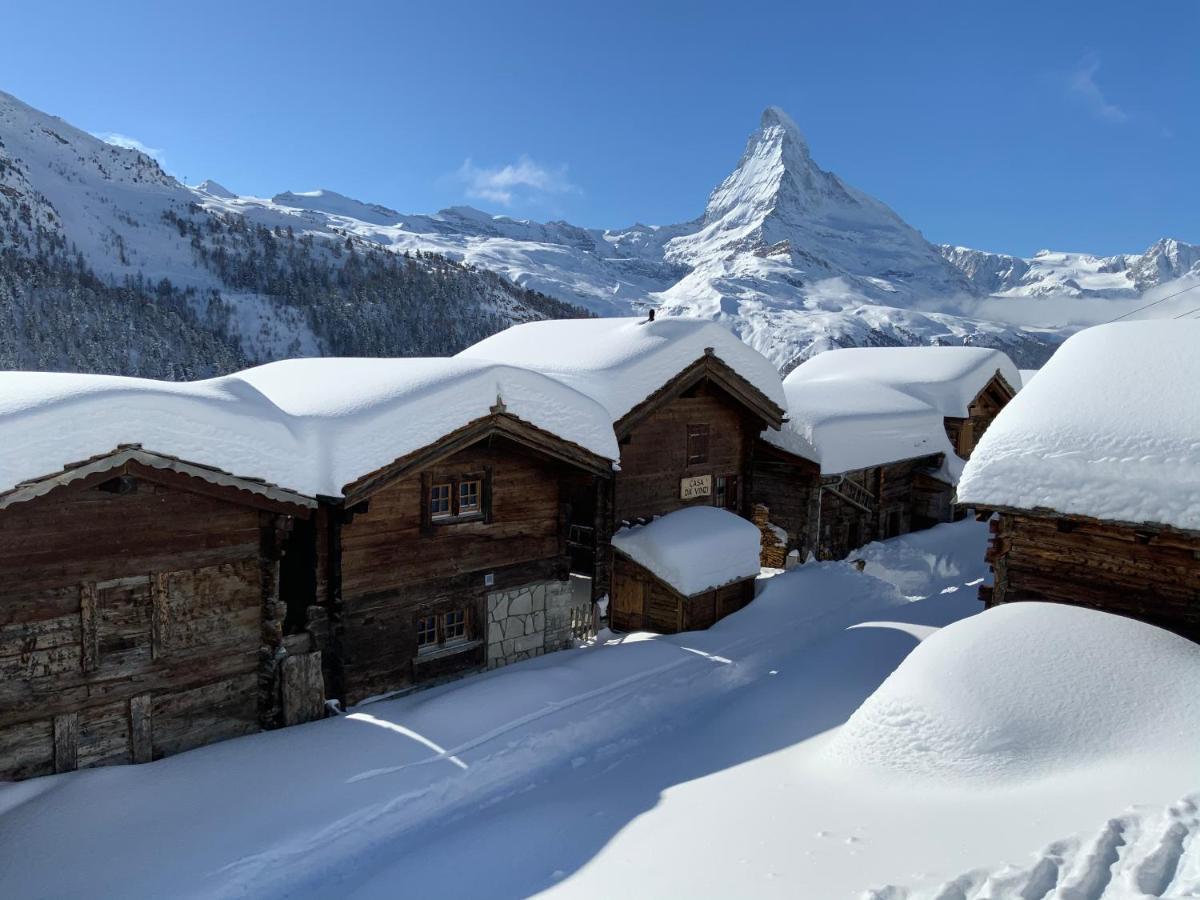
[787, 255]
[1045, 750]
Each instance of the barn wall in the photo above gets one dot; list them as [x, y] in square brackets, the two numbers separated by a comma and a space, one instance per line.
[1147, 575]
[791, 492]
[642, 602]
[393, 570]
[130, 625]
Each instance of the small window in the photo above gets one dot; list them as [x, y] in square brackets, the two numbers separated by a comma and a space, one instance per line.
[454, 625]
[697, 444]
[426, 632]
[468, 498]
[726, 493]
[439, 501]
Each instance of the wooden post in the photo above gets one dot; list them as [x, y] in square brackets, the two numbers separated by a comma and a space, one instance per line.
[303, 688]
[66, 742]
[141, 737]
[89, 634]
[160, 617]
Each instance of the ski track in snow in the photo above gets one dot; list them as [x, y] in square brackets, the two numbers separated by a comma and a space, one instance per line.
[1139, 854]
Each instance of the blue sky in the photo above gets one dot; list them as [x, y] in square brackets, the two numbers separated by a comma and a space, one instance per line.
[1008, 126]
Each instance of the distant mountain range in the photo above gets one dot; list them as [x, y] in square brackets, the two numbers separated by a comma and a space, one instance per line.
[108, 263]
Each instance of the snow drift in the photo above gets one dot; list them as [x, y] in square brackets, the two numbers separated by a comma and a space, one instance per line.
[1030, 689]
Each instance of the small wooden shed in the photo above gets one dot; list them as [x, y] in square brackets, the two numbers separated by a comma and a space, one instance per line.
[684, 571]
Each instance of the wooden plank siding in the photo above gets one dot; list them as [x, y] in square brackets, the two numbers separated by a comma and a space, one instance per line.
[964, 433]
[1146, 572]
[131, 623]
[395, 564]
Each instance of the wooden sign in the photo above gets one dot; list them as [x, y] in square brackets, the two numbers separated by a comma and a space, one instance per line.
[695, 486]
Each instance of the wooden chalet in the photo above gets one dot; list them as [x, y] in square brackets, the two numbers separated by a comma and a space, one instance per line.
[140, 611]
[687, 401]
[1091, 477]
[874, 443]
[451, 559]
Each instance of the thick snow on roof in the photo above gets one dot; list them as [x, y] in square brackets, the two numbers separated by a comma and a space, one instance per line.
[621, 362]
[694, 549]
[1109, 428]
[867, 406]
[1028, 689]
[309, 425]
[846, 424]
[947, 378]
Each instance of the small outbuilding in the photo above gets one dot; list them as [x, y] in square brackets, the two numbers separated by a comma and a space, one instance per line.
[683, 571]
[1091, 477]
[874, 442]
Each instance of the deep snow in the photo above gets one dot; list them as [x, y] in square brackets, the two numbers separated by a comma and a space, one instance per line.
[1109, 428]
[693, 765]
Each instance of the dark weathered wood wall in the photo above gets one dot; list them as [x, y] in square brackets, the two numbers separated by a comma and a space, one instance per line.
[1152, 574]
[130, 625]
[790, 489]
[392, 571]
[654, 454]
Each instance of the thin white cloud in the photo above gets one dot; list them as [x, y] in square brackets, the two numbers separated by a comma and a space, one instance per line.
[130, 143]
[1082, 87]
[523, 180]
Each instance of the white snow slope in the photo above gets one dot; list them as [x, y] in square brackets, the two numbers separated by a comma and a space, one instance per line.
[695, 765]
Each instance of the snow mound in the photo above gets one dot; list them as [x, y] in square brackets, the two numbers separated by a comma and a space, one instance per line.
[694, 549]
[1027, 690]
[1109, 428]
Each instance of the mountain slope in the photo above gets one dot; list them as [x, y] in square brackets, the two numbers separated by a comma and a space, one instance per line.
[107, 263]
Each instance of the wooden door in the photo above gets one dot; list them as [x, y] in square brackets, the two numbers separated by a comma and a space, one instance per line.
[629, 602]
[124, 632]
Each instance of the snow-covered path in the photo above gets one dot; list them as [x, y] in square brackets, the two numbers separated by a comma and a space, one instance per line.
[692, 765]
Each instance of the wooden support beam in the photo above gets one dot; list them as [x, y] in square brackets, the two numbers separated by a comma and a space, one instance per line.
[89, 635]
[141, 736]
[66, 742]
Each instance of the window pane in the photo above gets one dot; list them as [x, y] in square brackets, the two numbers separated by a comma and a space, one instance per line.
[439, 500]
[426, 631]
[468, 497]
[455, 625]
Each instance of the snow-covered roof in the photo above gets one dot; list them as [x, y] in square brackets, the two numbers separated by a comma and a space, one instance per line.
[694, 549]
[1109, 428]
[947, 378]
[621, 362]
[868, 406]
[846, 424]
[311, 426]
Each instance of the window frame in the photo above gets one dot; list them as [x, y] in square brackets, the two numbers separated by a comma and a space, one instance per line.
[427, 646]
[458, 619]
[480, 512]
[696, 450]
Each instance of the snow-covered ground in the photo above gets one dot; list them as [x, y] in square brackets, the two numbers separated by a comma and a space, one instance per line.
[708, 764]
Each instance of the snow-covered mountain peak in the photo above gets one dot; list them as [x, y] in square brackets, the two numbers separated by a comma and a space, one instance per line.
[215, 189]
[333, 203]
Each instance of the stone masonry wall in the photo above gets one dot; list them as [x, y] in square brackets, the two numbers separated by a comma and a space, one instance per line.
[531, 620]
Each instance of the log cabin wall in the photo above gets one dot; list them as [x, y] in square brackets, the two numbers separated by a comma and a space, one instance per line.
[880, 502]
[1147, 573]
[790, 488]
[643, 602]
[402, 571]
[964, 433]
[654, 456]
[132, 619]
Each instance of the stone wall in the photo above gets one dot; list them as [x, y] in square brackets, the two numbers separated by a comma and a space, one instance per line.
[533, 619]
